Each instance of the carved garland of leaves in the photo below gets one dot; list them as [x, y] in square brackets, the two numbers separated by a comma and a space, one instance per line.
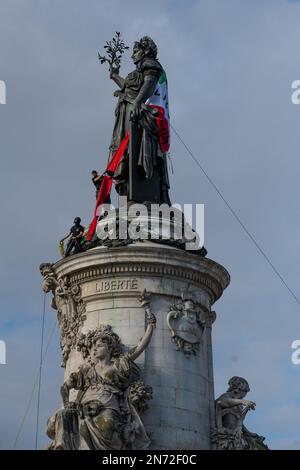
[80, 309]
[139, 394]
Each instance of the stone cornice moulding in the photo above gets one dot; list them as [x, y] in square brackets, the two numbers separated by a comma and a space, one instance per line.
[145, 260]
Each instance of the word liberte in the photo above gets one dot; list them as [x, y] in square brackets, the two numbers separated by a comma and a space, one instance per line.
[2, 92]
[153, 222]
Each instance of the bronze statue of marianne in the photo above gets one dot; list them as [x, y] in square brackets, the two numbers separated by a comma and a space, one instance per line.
[142, 173]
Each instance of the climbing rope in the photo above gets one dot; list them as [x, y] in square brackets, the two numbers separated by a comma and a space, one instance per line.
[40, 375]
[35, 383]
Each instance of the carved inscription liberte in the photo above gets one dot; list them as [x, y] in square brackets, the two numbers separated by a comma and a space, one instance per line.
[116, 284]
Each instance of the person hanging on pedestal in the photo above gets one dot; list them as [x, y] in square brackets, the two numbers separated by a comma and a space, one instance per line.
[97, 180]
[76, 237]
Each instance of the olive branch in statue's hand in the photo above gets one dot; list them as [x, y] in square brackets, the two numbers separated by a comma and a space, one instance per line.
[114, 49]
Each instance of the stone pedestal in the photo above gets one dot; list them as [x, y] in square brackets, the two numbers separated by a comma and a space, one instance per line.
[106, 284]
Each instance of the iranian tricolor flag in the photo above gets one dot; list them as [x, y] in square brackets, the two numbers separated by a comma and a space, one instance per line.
[160, 101]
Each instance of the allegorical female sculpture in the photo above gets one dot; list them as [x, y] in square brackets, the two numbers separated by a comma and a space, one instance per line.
[106, 412]
[142, 110]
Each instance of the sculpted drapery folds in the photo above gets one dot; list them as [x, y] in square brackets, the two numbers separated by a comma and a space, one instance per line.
[134, 91]
[111, 395]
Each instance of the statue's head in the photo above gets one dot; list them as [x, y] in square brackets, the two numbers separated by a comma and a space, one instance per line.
[238, 387]
[77, 220]
[46, 269]
[94, 173]
[145, 47]
[100, 343]
[101, 349]
[49, 283]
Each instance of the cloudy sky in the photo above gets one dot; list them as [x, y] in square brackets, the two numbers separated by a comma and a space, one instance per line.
[230, 65]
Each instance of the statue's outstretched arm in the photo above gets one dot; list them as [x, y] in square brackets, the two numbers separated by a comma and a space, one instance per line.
[145, 340]
[114, 75]
[228, 402]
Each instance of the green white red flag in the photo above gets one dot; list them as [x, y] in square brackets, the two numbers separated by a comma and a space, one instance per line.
[160, 101]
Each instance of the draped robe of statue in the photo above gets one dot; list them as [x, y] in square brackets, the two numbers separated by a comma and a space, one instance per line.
[150, 167]
[105, 416]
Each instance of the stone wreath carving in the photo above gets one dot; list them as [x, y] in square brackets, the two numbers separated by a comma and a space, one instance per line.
[187, 324]
[111, 395]
[69, 305]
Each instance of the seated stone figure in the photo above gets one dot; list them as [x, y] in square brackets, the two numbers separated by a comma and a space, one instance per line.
[231, 408]
[106, 412]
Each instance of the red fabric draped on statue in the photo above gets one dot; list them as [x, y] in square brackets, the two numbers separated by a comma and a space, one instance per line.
[103, 193]
[163, 128]
[113, 165]
[106, 184]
